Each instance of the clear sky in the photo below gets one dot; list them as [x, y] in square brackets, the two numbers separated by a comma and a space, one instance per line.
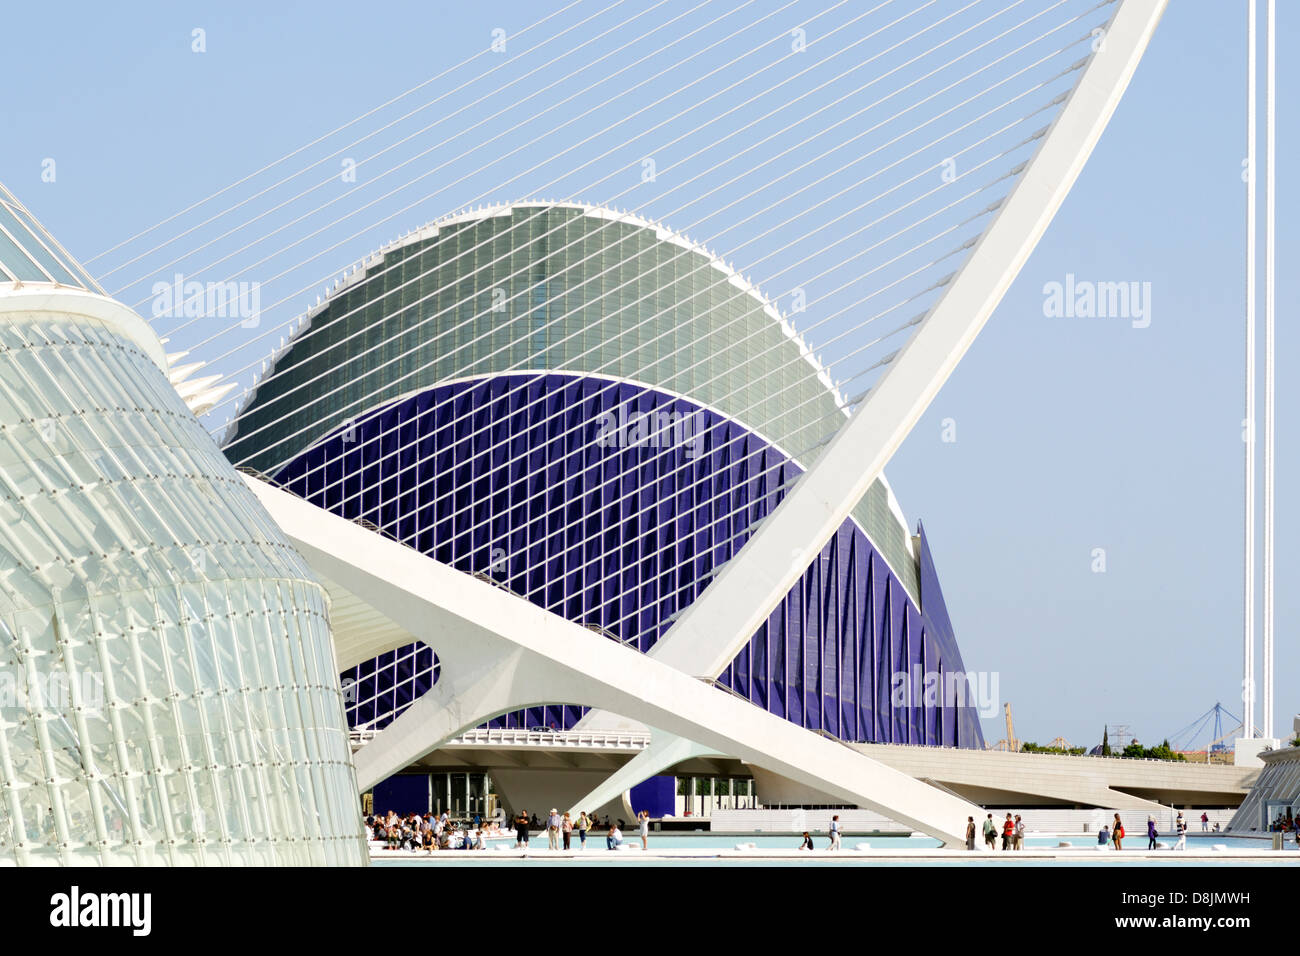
[1071, 434]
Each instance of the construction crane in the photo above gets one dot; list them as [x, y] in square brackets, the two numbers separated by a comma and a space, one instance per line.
[1009, 742]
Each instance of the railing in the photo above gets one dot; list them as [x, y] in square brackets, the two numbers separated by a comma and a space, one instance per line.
[621, 740]
[1177, 763]
[507, 737]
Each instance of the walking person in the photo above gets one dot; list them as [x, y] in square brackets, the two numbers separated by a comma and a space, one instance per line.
[990, 832]
[553, 829]
[970, 833]
[584, 825]
[1117, 833]
[643, 819]
[1019, 833]
[1205, 822]
[1151, 833]
[835, 832]
[566, 829]
[1008, 832]
[1182, 835]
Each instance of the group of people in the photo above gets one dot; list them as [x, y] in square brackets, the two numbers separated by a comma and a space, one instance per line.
[1286, 823]
[560, 828]
[428, 832]
[1011, 830]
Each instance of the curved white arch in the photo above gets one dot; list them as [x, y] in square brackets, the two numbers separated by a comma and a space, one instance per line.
[714, 628]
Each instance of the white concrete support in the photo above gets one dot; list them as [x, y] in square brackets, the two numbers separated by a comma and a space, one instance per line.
[499, 653]
[665, 750]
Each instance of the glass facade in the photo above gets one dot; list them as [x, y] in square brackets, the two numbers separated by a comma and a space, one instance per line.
[168, 692]
[622, 539]
[550, 288]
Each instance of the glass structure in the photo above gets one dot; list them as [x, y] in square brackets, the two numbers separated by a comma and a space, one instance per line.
[28, 253]
[168, 692]
[453, 391]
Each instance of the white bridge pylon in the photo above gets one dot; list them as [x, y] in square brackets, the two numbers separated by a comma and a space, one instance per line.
[714, 629]
[499, 652]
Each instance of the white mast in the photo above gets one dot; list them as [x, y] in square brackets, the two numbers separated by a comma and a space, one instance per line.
[1248, 638]
[1270, 193]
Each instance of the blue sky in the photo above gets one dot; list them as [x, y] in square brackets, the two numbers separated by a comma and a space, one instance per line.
[1072, 434]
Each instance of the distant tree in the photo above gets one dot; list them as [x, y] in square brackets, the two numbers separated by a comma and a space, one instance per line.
[1105, 742]
[1164, 752]
[1032, 748]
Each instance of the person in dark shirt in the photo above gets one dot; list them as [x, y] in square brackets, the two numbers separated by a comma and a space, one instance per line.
[521, 830]
[807, 842]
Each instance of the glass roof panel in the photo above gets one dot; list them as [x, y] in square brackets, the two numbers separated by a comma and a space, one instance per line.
[28, 251]
[17, 263]
[32, 243]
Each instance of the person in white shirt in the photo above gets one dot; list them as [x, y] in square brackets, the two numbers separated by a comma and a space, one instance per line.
[644, 818]
[835, 832]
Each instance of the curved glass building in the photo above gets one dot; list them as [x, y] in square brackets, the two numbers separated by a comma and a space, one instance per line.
[596, 413]
[168, 692]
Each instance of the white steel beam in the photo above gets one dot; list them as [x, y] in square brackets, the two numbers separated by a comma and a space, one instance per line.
[499, 652]
[1248, 584]
[1270, 194]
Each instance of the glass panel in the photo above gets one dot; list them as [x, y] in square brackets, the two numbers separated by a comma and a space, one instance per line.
[29, 242]
[18, 262]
